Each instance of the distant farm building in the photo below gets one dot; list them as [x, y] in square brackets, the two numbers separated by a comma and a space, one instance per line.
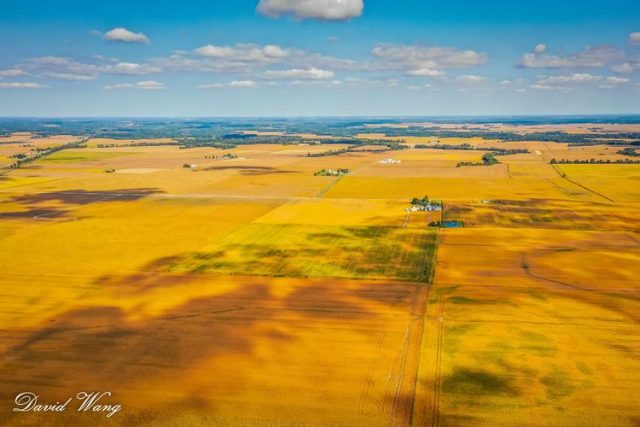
[425, 208]
[389, 162]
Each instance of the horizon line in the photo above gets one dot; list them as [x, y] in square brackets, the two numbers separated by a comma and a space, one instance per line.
[420, 116]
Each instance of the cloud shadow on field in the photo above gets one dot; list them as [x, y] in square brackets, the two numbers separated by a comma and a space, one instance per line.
[102, 347]
[38, 204]
[250, 170]
[471, 382]
[84, 197]
[33, 213]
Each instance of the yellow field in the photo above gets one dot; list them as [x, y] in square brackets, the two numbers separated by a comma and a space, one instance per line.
[546, 330]
[248, 291]
[26, 143]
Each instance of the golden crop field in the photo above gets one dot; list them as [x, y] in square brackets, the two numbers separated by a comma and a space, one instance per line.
[233, 287]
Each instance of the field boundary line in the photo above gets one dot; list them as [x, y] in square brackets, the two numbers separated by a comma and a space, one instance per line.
[369, 383]
[406, 220]
[404, 398]
[326, 188]
[564, 176]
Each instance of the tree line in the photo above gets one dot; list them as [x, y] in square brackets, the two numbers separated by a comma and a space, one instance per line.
[488, 159]
[592, 161]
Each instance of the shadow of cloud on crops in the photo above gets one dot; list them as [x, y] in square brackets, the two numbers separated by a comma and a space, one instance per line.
[250, 170]
[102, 347]
[149, 277]
[324, 300]
[84, 197]
[37, 204]
[543, 213]
[33, 213]
[472, 382]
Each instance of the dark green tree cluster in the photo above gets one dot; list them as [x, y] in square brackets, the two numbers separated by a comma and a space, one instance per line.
[469, 147]
[424, 202]
[488, 159]
[629, 151]
[332, 172]
[593, 162]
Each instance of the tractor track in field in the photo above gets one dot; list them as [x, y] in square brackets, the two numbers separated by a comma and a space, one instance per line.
[584, 187]
[437, 380]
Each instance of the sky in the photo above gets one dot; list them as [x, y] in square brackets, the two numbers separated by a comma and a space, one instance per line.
[214, 58]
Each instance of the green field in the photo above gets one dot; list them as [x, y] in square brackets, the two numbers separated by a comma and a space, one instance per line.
[317, 251]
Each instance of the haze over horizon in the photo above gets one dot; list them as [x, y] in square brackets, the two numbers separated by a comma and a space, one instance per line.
[350, 58]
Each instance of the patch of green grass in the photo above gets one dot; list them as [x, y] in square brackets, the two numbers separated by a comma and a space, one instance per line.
[438, 292]
[476, 383]
[558, 384]
[538, 344]
[76, 156]
[473, 301]
[454, 335]
[319, 251]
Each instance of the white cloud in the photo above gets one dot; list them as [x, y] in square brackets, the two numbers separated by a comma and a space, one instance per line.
[427, 61]
[236, 84]
[623, 68]
[540, 48]
[617, 80]
[577, 80]
[297, 73]
[242, 83]
[244, 53]
[613, 82]
[62, 68]
[591, 57]
[470, 78]
[180, 63]
[329, 10]
[245, 58]
[144, 85]
[149, 85]
[237, 59]
[123, 35]
[634, 38]
[12, 72]
[541, 86]
[426, 72]
[302, 59]
[129, 68]
[211, 86]
[21, 85]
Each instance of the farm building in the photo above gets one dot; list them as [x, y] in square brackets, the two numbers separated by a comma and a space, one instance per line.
[389, 162]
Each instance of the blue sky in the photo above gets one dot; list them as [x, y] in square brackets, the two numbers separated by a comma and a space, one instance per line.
[318, 57]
